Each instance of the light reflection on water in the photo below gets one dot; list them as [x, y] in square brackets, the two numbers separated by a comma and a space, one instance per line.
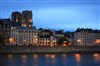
[24, 58]
[78, 58]
[64, 60]
[96, 57]
[10, 58]
[50, 59]
[35, 60]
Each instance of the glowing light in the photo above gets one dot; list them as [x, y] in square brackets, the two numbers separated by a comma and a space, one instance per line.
[24, 56]
[11, 40]
[30, 25]
[98, 41]
[64, 55]
[35, 39]
[53, 56]
[24, 60]
[10, 56]
[47, 55]
[70, 44]
[96, 57]
[64, 45]
[78, 40]
[35, 56]
[30, 20]
[96, 54]
[24, 25]
[77, 57]
[24, 40]
[16, 20]
[51, 45]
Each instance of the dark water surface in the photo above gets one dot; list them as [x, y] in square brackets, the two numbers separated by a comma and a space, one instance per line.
[50, 59]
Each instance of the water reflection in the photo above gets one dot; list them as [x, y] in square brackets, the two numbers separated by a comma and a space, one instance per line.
[10, 60]
[50, 59]
[53, 56]
[24, 60]
[96, 57]
[47, 55]
[53, 60]
[35, 55]
[78, 58]
[64, 60]
[35, 60]
[64, 55]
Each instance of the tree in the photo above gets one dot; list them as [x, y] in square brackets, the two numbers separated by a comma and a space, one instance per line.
[2, 37]
[62, 40]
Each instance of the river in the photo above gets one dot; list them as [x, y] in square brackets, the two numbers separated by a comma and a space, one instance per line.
[50, 59]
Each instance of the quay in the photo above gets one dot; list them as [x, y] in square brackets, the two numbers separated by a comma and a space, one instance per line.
[47, 49]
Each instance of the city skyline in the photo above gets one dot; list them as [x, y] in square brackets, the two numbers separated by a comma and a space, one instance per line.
[67, 15]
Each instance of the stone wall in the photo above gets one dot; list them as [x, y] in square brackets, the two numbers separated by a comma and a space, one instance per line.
[35, 49]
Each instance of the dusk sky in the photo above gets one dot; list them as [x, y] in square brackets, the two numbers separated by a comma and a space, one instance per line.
[57, 14]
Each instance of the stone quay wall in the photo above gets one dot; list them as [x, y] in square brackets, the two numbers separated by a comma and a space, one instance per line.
[46, 49]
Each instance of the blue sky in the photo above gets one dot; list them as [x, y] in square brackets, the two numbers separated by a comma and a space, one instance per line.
[57, 14]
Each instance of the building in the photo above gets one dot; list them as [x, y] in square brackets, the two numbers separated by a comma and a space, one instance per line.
[96, 37]
[59, 33]
[86, 37]
[5, 25]
[16, 17]
[70, 37]
[27, 18]
[23, 36]
[47, 41]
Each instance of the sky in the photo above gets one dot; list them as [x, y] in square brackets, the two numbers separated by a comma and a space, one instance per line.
[57, 14]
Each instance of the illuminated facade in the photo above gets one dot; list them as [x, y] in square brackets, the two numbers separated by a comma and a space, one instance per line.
[47, 41]
[24, 36]
[96, 38]
[16, 17]
[26, 18]
[86, 37]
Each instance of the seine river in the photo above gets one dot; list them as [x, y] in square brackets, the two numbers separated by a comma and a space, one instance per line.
[50, 59]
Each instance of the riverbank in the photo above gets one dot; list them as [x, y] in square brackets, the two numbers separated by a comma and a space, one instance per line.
[48, 49]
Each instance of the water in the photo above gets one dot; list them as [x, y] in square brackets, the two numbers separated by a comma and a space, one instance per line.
[50, 59]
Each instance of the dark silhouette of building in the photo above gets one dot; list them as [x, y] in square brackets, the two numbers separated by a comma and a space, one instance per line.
[5, 25]
[23, 19]
[16, 16]
[26, 18]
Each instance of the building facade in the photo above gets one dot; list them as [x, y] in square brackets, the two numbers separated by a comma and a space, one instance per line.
[27, 18]
[96, 37]
[5, 25]
[47, 41]
[23, 36]
[86, 37]
[16, 17]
